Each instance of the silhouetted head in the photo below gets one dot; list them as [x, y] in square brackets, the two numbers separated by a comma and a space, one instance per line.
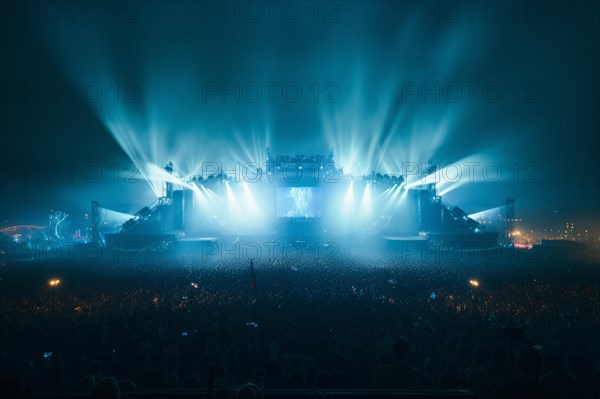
[553, 362]
[529, 362]
[482, 357]
[323, 380]
[400, 349]
[273, 375]
[86, 384]
[172, 381]
[107, 388]
[249, 391]
[295, 381]
[337, 362]
[580, 364]
[448, 381]
[191, 381]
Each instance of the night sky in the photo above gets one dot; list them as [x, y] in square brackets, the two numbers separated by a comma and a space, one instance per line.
[87, 88]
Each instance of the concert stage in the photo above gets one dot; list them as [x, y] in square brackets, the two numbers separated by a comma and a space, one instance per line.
[294, 199]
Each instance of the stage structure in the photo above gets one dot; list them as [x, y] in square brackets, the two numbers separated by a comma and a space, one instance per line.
[297, 197]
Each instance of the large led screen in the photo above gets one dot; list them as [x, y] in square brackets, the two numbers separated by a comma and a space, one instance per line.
[299, 202]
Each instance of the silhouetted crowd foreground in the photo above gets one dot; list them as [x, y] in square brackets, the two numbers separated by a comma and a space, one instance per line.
[523, 328]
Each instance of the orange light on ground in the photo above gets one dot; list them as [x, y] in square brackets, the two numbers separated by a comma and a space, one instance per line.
[474, 283]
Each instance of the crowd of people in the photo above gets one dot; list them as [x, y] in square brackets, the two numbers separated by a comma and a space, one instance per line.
[500, 327]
